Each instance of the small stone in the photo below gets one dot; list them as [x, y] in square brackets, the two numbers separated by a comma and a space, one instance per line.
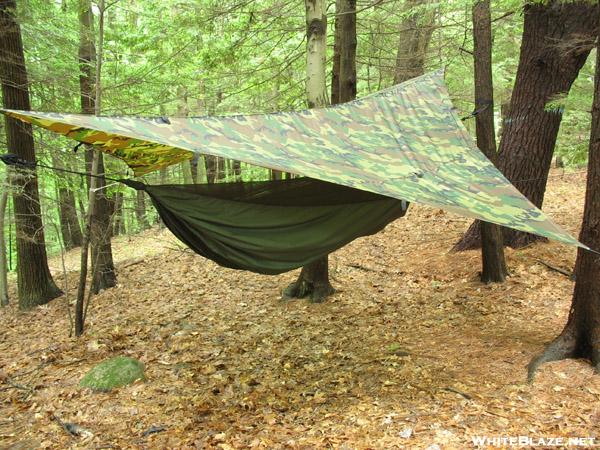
[406, 433]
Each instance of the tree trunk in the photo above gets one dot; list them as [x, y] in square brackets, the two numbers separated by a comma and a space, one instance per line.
[103, 266]
[87, 57]
[194, 168]
[35, 284]
[557, 39]
[581, 335]
[210, 163]
[186, 169]
[3, 265]
[346, 20]
[118, 222]
[80, 301]
[221, 169]
[492, 255]
[100, 229]
[337, 42]
[314, 277]
[316, 48]
[236, 170]
[69, 222]
[415, 35]
[215, 165]
[140, 210]
[162, 180]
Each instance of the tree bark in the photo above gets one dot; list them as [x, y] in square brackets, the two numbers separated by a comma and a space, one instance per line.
[186, 169]
[140, 211]
[215, 165]
[415, 35]
[236, 170]
[35, 283]
[337, 42]
[210, 163]
[557, 39]
[194, 168]
[100, 229]
[314, 277]
[3, 266]
[346, 20]
[103, 266]
[316, 48]
[118, 222]
[276, 174]
[221, 169]
[87, 58]
[492, 254]
[69, 222]
[87, 234]
[581, 336]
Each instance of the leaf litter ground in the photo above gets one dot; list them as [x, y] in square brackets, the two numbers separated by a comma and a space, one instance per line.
[411, 352]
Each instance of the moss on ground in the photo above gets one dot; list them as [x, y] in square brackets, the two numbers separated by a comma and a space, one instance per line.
[112, 373]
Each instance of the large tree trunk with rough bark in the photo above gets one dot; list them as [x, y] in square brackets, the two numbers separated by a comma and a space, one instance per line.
[343, 76]
[316, 48]
[100, 229]
[103, 267]
[210, 163]
[557, 39]
[118, 226]
[3, 266]
[314, 277]
[415, 35]
[492, 254]
[35, 284]
[581, 335]
[69, 222]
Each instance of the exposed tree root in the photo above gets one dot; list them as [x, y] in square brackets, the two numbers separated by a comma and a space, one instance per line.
[313, 283]
[567, 345]
[302, 288]
[563, 347]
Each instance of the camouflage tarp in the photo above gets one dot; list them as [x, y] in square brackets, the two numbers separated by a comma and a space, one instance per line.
[405, 142]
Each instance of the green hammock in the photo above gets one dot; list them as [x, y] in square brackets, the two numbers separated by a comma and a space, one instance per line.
[270, 227]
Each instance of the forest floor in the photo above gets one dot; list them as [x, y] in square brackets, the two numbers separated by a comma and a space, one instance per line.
[411, 352]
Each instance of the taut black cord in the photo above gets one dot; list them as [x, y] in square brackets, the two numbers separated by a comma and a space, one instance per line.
[485, 105]
[10, 159]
